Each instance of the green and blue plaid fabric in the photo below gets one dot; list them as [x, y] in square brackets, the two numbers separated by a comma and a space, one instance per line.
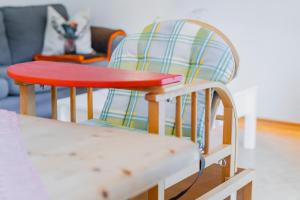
[174, 47]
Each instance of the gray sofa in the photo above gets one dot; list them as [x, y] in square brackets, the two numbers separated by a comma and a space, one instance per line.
[21, 37]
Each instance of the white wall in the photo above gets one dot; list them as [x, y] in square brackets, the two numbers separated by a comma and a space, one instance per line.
[266, 34]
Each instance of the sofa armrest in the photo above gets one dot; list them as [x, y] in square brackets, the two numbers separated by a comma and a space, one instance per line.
[104, 40]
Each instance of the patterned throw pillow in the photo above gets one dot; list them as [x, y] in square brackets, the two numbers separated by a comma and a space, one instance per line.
[62, 36]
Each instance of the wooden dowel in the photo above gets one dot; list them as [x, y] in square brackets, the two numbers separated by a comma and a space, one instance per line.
[54, 102]
[156, 125]
[178, 123]
[157, 192]
[220, 117]
[194, 116]
[156, 117]
[207, 120]
[90, 103]
[27, 99]
[228, 170]
[73, 104]
[247, 191]
[227, 127]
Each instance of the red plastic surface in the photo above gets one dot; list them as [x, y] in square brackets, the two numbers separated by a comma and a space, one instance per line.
[76, 75]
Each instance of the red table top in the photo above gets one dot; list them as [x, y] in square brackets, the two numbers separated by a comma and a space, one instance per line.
[76, 75]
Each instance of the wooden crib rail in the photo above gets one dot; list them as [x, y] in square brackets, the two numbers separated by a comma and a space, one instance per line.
[220, 88]
[157, 98]
[156, 111]
[226, 152]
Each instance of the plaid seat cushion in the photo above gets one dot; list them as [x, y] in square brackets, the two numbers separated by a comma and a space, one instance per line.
[174, 47]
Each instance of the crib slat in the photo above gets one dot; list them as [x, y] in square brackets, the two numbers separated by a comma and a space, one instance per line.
[53, 102]
[90, 103]
[228, 138]
[220, 117]
[194, 116]
[73, 104]
[156, 117]
[207, 120]
[157, 192]
[178, 117]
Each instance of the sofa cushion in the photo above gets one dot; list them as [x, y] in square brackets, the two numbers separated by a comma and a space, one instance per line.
[5, 58]
[3, 88]
[25, 27]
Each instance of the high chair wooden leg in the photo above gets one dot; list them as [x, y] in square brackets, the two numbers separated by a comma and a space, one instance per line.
[27, 99]
[90, 103]
[247, 192]
[207, 120]
[194, 116]
[156, 117]
[157, 192]
[156, 125]
[228, 138]
[73, 104]
[53, 102]
[178, 124]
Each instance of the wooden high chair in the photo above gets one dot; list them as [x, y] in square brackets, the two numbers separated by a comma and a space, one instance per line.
[206, 60]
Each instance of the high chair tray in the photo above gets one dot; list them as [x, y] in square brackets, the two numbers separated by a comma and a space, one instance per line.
[85, 162]
[76, 75]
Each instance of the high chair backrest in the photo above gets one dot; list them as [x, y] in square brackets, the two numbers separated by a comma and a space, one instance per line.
[191, 48]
